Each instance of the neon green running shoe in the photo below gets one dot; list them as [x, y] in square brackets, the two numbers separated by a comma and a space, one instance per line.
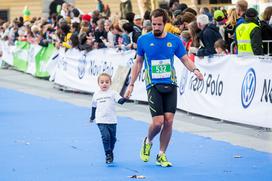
[145, 150]
[162, 161]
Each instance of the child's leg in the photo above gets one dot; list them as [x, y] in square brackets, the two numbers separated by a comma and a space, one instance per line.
[106, 137]
[112, 131]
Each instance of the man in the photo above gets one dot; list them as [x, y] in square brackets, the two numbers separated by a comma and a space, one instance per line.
[241, 7]
[157, 50]
[208, 35]
[125, 7]
[249, 35]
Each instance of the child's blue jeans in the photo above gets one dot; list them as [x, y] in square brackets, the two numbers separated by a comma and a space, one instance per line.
[108, 135]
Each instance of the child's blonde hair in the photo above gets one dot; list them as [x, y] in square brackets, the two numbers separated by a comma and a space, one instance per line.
[104, 74]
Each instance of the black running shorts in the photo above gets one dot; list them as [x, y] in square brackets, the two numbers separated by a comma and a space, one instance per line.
[161, 102]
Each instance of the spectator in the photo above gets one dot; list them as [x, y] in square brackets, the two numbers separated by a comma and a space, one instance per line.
[100, 6]
[147, 26]
[193, 44]
[75, 28]
[230, 27]
[219, 19]
[100, 34]
[130, 17]
[249, 35]
[66, 36]
[109, 41]
[220, 47]
[147, 15]
[117, 31]
[76, 14]
[138, 22]
[65, 13]
[205, 10]
[132, 34]
[182, 21]
[241, 7]
[267, 30]
[53, 6]
[107, 11]
[173, 5]
[208, 36]
[125, 8]
[74, 40]
[143, 6]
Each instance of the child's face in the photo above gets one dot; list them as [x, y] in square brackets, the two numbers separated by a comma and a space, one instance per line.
[104, 83]
[219, 50]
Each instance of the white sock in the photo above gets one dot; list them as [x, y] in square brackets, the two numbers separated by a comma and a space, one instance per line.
[161, 152]
[147, 141]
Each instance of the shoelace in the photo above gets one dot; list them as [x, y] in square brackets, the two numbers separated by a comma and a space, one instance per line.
[163, 158]
[146, 150]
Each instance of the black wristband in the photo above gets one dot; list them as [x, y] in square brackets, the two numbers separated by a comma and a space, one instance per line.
[194, 69]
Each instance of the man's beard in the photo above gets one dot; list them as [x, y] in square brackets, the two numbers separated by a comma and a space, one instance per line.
[157, 33]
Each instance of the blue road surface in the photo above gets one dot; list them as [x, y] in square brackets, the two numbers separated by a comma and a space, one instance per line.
[47, 140]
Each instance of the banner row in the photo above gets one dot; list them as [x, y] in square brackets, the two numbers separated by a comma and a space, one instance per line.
[236, 89]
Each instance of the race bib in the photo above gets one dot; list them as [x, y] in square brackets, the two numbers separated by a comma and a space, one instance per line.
[161, 69]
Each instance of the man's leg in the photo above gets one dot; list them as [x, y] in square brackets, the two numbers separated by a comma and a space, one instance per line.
[166, 132]
[156, 109]
[169, 106]
[155, 127]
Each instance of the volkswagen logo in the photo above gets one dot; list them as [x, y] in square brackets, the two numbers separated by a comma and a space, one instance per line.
[81, 66]
[248, 88]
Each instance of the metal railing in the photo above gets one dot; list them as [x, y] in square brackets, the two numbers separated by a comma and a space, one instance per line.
[268, 42]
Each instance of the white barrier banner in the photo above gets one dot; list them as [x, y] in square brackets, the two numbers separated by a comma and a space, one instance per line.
[31, 53]
[78, 70]
[7, 52]
[237, 89]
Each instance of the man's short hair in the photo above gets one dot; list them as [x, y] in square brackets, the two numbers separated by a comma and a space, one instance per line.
[160, 12]
[202, 19]
[242, 5]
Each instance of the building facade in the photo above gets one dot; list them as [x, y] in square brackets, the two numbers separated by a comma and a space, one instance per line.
[10, 9]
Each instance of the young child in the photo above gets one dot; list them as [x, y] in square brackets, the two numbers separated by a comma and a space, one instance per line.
[104, 114]
[220, 47]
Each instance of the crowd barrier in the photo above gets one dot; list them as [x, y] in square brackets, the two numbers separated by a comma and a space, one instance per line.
[236, 89]
[28, 58]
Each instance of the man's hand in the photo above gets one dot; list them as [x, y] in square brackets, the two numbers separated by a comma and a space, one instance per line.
[129, 91]
[198, 74]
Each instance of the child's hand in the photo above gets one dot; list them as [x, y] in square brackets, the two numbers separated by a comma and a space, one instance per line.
[122, 100]
[91, 120]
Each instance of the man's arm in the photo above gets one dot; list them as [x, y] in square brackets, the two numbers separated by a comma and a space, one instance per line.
[191, 67]
[135, 70]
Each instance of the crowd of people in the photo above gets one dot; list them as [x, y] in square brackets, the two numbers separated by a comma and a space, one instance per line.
[203, 32]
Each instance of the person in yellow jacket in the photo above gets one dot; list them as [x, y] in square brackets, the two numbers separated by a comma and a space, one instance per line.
[66, 36]
[249, 36]
[67, 41]
[170, 28]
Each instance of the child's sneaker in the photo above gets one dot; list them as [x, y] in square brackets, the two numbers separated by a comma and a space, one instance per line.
[162, 161]
[109, 158]
[145, 150]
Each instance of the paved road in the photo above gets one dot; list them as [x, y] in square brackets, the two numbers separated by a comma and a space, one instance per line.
[247, 136]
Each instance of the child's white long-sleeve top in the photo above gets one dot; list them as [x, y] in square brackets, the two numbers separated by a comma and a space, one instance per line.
[105, 109]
